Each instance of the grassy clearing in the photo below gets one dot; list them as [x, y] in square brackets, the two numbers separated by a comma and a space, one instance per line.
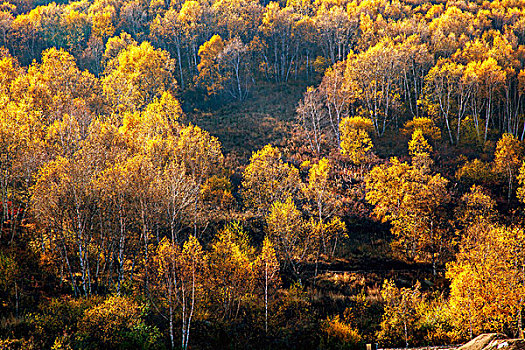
[267, 116]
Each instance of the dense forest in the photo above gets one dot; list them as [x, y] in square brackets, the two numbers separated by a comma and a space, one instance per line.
[242, 174]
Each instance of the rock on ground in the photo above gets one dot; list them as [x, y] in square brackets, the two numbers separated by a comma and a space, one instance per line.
[493, 341]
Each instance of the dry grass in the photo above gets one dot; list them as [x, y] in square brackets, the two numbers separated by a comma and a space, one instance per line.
[267, 116]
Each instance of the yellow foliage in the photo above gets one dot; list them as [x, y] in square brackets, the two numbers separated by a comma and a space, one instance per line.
[9, 71]
[507, 158]
[231, 269]
[51, 86]
[427, 126]
[521, 181]
[358, 122]
[339, 332]
[476, 207]
[321, 191]
[355, 140]
[117, 44]
[65, 135]
[402, 312]
[218, 191]
[158, 122]
[409, 197]
[102, 26]
[475, 171]
[268, 179]
[200, 153]
[209, 73]
[420, 151]
[488, 288]
[285, 229]
[108, 321]
[325, 234]
[267, 265]
[418, 145]
[136, 76]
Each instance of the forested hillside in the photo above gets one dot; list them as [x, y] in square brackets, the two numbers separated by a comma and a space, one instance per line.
[245, 174]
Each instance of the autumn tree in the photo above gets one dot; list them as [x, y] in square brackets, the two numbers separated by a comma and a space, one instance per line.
[180, 30]
[209, 70]
[267, 272]
[115, 45]
[168, 29]
[268, 179]
[487, 288]
[10, 276]
[312, 116]
[181, 275]
[401, 312]
[201, 155]
[237, 18]
[485, 78]
[282, 47]
[56, 86]
[420, 150]
[234, 60]
[224, 67]
[166, 260]
[136, 76]
[126, 190]
[410, 197]
[507, 158]
[180, 192]
[22, 153]
[450, 30]
[194, 19]
[76, 25]
[476, 207]
[520, 192]
[231, 271]
[63, 201]
[376, 73]
[426, 125]
[476, 172]
[115, 321]
[337, 97]
[324, 225]
[355, 140]
[36, 30]
[6, 21]
[102, 23]
[320, 190]
[285, 229]
[416, 59]
[447, 95]
[324, 236]
[337, 31]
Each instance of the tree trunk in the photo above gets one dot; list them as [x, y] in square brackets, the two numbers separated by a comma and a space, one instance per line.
[266, 297]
